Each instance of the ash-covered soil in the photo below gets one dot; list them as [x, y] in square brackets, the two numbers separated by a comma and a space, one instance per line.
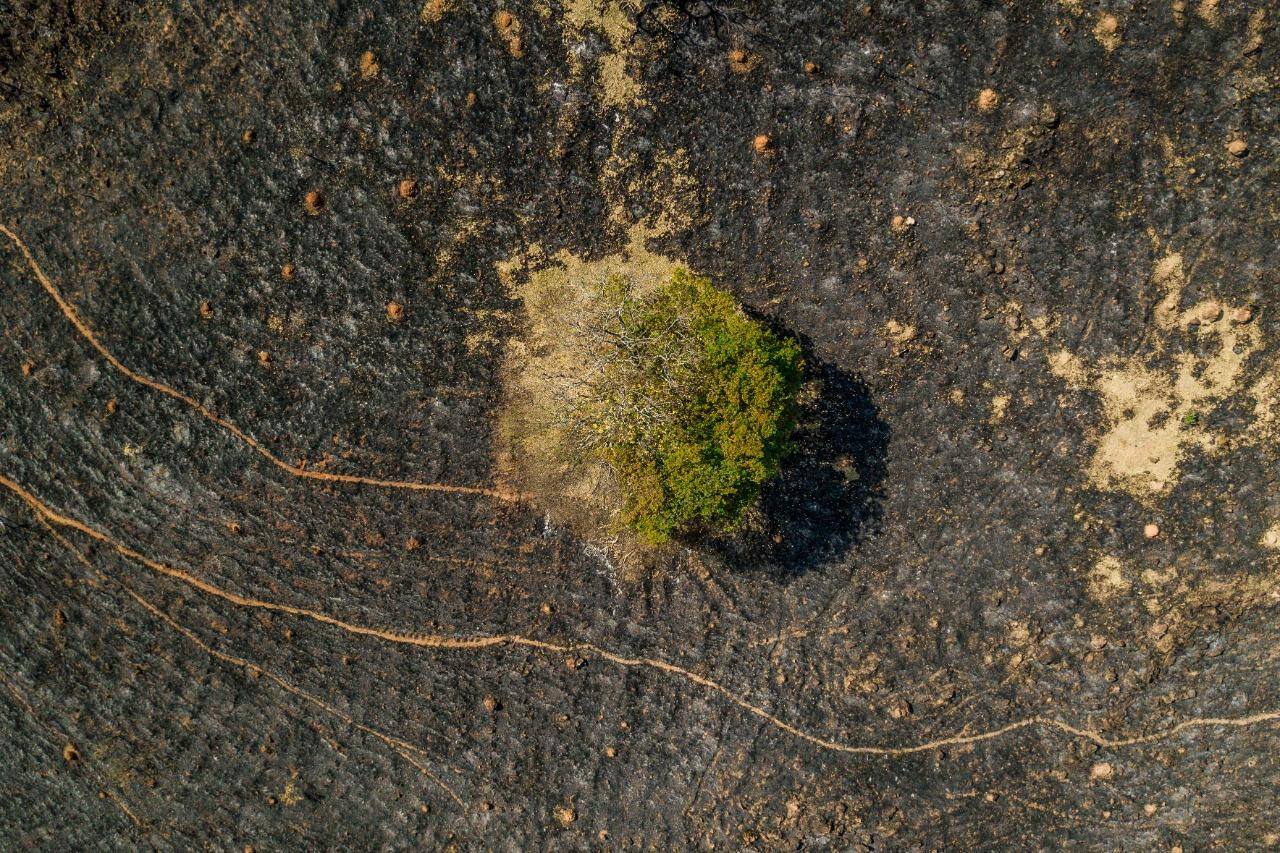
[1031, 250]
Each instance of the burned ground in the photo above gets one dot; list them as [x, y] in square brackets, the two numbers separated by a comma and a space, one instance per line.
[1032, 246]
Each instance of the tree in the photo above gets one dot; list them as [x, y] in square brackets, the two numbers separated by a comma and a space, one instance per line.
[690, 403]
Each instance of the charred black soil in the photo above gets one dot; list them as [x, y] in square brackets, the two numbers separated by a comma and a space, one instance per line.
[263, 586]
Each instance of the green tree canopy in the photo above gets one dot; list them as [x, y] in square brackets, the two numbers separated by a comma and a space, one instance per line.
[691, 403]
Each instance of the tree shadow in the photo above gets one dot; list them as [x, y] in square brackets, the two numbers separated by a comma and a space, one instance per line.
[829, 494]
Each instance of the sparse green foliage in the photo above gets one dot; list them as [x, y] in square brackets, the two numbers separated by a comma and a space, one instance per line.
[690, 402]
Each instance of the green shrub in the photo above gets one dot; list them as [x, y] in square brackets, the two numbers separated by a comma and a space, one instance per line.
[690, 402]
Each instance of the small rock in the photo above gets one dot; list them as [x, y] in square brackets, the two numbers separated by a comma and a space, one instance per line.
[1107, 32]
[288, 271]
[1240, 316]
[1149, 809]
[741, 62]
[900, 332]
[395, 312]
[566, 815]
[206, 311]
[412, 543]
[762, 143]
[264, 358]
[490, 704]
[1209, 312]
[509, 29]
[1237, 148]
[369, 66]
[313, 202]
[1151, 531]
[408, 188]
[1102, 770]
[234, 528]
[987, 100]
[70, 754]
[811, 68]
[246, 137]
[900, 709]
